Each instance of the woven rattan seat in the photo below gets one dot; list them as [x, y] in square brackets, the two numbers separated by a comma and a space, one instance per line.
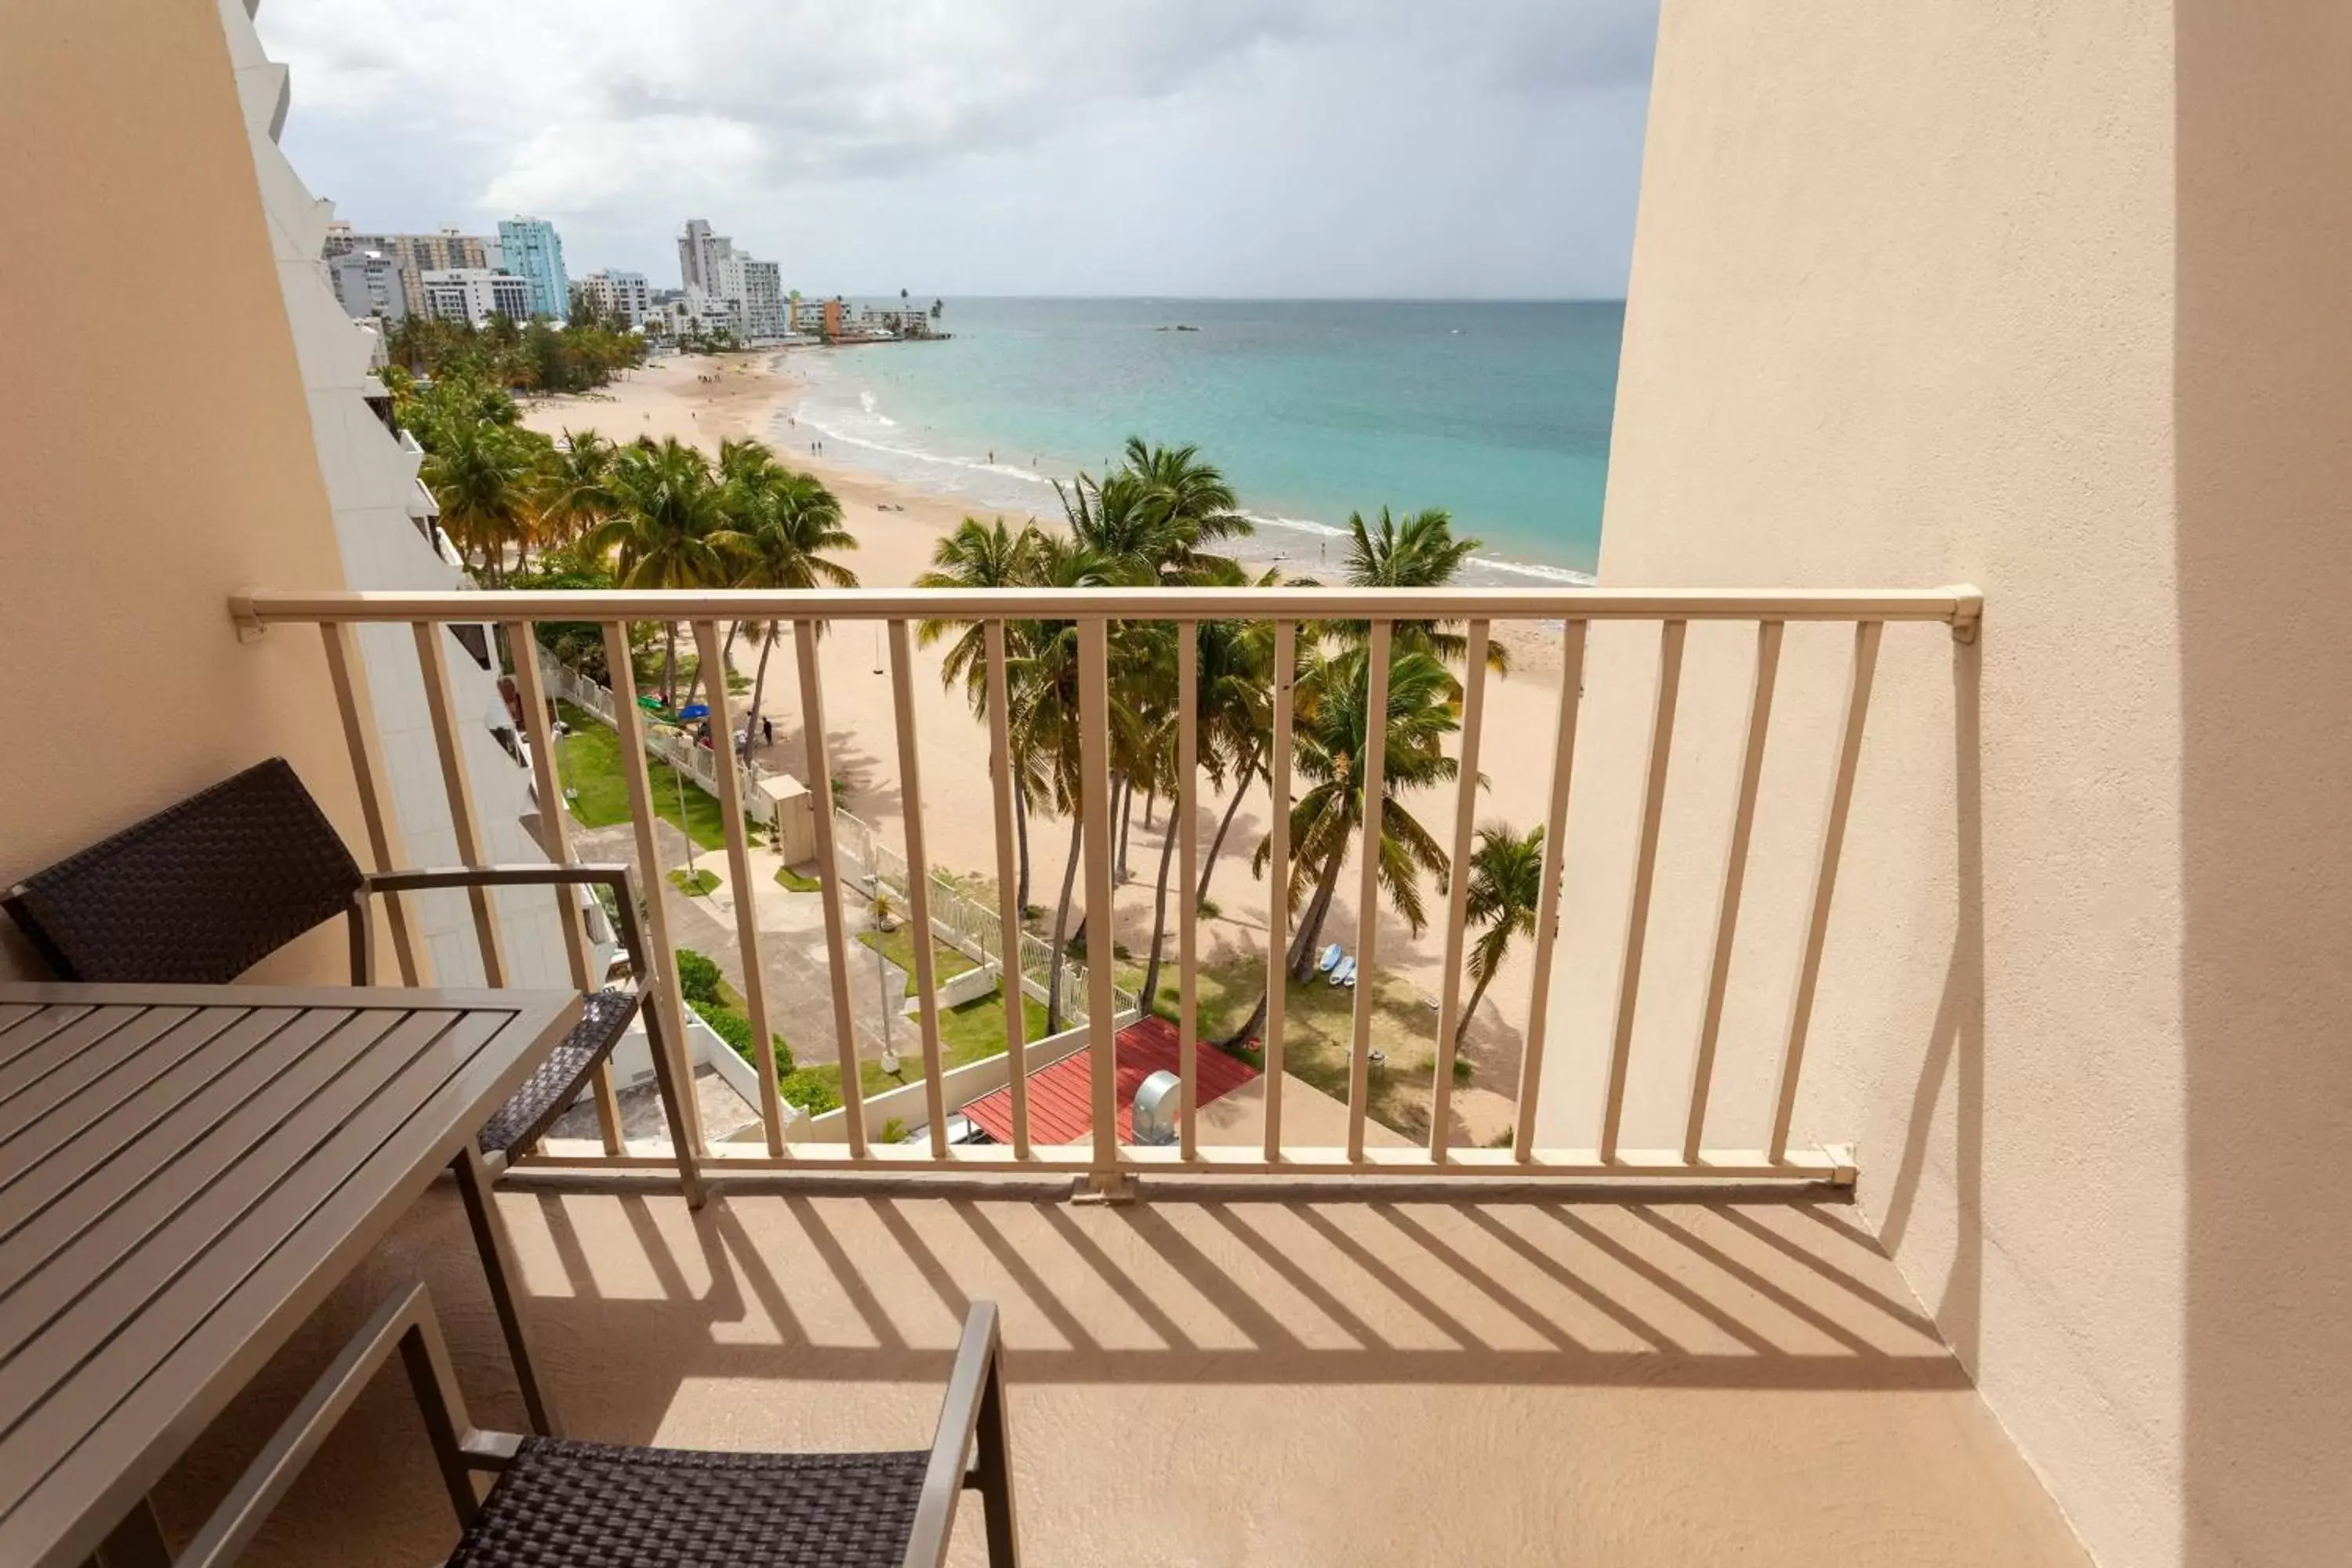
[557, 1081]
[594, 1505]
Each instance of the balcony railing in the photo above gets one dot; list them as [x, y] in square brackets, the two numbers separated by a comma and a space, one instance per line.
[1104, 1159]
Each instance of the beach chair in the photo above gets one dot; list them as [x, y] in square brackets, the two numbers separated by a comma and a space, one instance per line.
[1345, 973]
[1331, 959]
[585, 1504]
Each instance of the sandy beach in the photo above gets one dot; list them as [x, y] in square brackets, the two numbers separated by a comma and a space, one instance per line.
[706, 401]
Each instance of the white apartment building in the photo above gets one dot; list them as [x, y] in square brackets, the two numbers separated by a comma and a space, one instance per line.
[750, 290]
[761, 302]
[623, 295]
[475, 294]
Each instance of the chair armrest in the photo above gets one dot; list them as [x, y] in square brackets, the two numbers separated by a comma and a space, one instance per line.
[975, 1394]
[405, 1323]
[615, 876]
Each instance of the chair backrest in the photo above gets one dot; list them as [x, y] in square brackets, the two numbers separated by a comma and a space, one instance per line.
[196, 894]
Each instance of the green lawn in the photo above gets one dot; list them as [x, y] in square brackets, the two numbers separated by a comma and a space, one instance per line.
[590, 761]
[797, 881]
[696, 886]
[1318, 1030]
[971, 1033]
[898, 947]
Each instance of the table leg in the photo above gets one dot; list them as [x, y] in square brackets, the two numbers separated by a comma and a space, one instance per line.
[474, 1181]
[136, 1543]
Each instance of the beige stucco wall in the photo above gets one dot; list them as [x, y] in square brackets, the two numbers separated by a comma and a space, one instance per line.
[155, 449]
[2048, 299]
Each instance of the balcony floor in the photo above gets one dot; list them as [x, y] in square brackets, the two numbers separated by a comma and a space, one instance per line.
[1212, 1380]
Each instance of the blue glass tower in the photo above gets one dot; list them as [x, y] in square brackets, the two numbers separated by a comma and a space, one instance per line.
[534, 253]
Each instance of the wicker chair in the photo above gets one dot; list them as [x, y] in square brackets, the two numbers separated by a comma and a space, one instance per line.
[566, 1504]
[203, 890]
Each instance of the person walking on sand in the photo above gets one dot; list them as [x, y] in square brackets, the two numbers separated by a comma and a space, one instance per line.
[767, 730]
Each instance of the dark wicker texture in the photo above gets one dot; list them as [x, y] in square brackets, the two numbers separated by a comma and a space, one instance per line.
[556, 1081]
[565, 1504]
[202, 891]
[196, 894]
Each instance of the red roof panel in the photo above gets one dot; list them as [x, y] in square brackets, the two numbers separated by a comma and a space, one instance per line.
[1061, 1097]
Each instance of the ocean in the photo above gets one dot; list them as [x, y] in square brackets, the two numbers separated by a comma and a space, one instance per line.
[1498, 412]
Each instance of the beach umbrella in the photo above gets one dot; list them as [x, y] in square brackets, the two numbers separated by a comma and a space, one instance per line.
[695, 711]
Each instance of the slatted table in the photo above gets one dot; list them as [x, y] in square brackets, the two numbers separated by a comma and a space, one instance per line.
[185, 1172]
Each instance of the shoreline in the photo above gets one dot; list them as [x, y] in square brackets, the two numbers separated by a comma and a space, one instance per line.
[964, 480]
[897, 526]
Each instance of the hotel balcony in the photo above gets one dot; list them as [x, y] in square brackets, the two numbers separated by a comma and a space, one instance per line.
[1297, 1337]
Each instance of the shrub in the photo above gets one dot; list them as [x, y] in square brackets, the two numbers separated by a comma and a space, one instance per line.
[894, 1131]
[810, 1089]
[1462, 1069]
[697, 977]
[736, 1030]
[729, 1025]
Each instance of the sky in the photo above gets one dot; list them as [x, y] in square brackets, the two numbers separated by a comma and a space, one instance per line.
[1268, 149]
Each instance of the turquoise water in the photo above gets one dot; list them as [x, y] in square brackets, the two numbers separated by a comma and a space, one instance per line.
[1498, 412]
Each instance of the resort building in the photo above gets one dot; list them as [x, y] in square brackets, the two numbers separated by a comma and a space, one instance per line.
[1928, 1130]
[531, 249]
[475, 294]
[619, 295]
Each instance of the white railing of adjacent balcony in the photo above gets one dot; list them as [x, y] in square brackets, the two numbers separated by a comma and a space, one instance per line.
[1105, 1160]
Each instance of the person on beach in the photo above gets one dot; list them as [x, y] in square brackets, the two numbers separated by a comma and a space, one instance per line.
[767, 730]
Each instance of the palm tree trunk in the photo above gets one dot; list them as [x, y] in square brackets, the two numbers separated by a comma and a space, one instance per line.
[1122, 805]
[1151, 799]
[726, 657]
[1478, 994]
[1061, 922]
[1158, 920]
[1302, 947]
[759, 687]
[669, 664]
[1241, 788]
[1311, 930]
[1021, 838]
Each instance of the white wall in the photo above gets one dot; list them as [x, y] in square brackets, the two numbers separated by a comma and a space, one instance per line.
[371, 489]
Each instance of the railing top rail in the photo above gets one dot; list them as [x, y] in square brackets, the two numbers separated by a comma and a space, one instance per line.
[1959, 605]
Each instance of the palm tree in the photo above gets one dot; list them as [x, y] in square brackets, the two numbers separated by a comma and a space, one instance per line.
[1506, 885]
[661, 536]
[986, 556]
[1422, 551]
[1187, 500]
[483, 476]
[1043, 675]
[1237, 713]
[781, 523]
[576, 488]
[1328, 818]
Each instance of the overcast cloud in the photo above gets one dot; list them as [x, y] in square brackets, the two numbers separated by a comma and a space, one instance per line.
[1231, 147]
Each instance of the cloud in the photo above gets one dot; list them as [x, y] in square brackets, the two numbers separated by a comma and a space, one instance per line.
[618, 119]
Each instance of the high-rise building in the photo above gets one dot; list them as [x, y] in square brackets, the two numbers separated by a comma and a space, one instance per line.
[761, 302]
[475, 294]
[700, 252]
[368, 283]
[623, 296]
[413, 254]
[714, 270]
[531, 250]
